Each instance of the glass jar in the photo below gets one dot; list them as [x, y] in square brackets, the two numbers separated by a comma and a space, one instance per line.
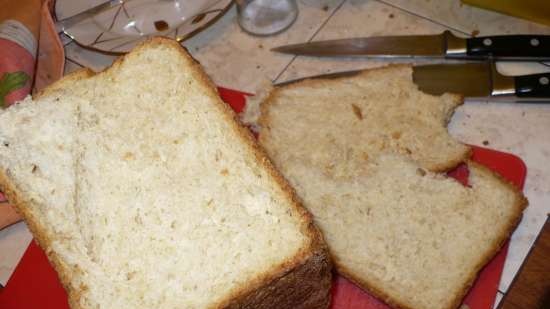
[266, 17]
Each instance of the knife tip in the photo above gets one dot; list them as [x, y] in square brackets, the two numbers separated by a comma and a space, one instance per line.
[275, 49]
[280, 49]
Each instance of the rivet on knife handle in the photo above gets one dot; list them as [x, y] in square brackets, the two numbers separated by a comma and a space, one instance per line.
[535, 85]
[509, 46]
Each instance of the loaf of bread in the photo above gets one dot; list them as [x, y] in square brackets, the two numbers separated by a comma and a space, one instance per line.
[362, 152]
[145, 192]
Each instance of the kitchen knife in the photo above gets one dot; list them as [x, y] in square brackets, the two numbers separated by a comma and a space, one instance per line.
[477, 79]
[444, 45]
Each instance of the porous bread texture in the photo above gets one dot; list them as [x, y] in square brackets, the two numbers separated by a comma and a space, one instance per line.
[145, 192]
[376, 111]
[413, 237]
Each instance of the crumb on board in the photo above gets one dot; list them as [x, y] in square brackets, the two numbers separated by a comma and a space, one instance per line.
[357, 111]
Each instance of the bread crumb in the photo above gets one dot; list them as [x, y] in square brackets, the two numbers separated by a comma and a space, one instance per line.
[486, 142]
[128, 156]
[475, 32]
[357, 111]
[130, 275]
[251, 111]
[396, 135]
[161, 25]
[224, 172]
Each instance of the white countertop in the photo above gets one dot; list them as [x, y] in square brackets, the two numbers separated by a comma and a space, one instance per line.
[237, 60]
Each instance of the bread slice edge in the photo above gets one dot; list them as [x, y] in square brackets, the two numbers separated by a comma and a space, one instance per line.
[311, 265]
[519, 205]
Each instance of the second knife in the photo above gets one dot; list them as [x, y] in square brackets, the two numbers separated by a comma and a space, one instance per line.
[444, 45]
[476, 79]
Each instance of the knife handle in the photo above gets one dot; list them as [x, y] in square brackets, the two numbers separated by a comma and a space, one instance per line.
[534, 85]
[509, 46]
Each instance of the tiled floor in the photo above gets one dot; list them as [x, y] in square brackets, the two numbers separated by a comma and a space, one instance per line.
[237, 60]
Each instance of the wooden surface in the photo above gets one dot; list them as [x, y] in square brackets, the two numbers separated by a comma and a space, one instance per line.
[531, 287]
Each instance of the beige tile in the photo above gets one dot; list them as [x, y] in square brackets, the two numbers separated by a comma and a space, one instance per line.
[453, 14]
[94, 60]
[238, 60]
[521, 129]
[71, 66]
[14, 240]
[358, 18]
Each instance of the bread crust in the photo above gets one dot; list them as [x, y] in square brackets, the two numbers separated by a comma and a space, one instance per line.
[21, 205]
[307, 276]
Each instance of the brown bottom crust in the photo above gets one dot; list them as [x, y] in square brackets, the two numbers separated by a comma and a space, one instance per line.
[305, 287]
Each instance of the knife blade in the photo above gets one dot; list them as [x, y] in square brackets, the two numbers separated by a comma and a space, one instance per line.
[444, 45]
[475, 79]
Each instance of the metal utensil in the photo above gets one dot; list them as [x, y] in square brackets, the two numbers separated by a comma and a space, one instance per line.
[477, 79]
[444, 45]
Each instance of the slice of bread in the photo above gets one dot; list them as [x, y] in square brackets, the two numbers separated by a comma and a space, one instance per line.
[145, 192]
[413, 237]
[379, 109]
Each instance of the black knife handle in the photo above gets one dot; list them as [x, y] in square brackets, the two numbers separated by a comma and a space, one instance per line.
[533, 86]
[509, 46]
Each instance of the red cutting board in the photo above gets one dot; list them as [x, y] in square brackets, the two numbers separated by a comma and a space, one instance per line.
[34, 283]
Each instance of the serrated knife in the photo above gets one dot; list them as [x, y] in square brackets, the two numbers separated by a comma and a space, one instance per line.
[476, 79]
[444, 45]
